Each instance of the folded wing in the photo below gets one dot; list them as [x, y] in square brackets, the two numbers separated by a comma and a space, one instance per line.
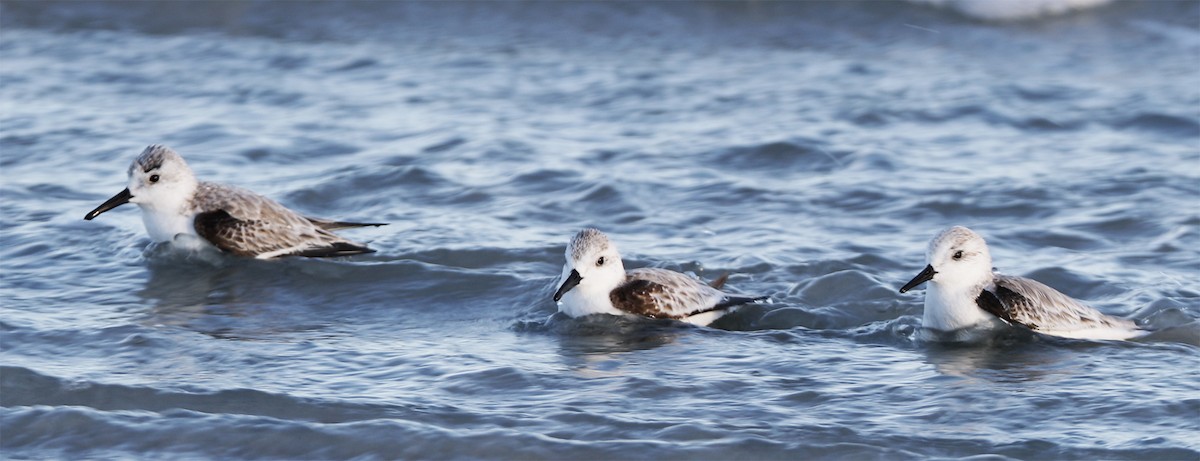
[1038, 307]
[246, 224]
[661, 293]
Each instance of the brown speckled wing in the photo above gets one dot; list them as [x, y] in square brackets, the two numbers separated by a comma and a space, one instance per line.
[640, 297]
[660, 293]
[225, 232]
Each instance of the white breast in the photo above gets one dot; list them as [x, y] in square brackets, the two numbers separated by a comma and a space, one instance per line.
[580, 302]
[164, 226]
[948, 311]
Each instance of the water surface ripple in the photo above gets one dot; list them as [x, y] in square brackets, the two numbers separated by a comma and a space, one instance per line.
[809, 149]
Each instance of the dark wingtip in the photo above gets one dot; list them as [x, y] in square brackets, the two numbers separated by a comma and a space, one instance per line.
[729, 303]
[335, 225]
[336, 249]
[733, 301]
[344, 224]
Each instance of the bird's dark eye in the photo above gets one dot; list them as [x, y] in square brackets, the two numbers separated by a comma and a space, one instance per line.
[600, 262]
[958, 254]
[153, 178]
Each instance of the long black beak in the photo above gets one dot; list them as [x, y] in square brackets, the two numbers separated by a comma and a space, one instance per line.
[925, 276]
[117, 200]
[568, 284]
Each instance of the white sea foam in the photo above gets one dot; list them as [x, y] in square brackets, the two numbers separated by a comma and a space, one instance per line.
[1013, 10]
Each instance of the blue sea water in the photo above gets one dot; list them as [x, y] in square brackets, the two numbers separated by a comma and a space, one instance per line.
[809, 149]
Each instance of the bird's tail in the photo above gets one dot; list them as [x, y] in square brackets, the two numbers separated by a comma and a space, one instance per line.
[720, 281]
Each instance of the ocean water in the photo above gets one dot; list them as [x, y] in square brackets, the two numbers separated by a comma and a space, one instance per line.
[810, 150]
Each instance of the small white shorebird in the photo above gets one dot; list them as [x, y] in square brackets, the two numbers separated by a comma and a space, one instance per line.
[594, 281]
[232, 219]
[965, 292]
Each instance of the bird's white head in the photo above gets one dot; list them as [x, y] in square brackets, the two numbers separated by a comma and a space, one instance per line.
[161, 183]
[159, 179]
[593, 269]
[959, 266]
[957, 257]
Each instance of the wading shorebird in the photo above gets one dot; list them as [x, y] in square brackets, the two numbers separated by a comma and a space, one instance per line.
[594, 281]
[964, 292]
[232, 219]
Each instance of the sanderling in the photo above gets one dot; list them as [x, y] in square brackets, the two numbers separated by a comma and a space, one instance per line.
[966, 292]
[232, 219]
[594, 281]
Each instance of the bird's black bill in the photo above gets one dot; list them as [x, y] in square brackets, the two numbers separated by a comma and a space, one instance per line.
[117, 200]
[923, 277]
[568, 284]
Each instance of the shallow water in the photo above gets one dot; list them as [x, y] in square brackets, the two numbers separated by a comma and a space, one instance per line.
[809, 149]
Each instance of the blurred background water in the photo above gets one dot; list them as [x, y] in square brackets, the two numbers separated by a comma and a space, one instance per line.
[809, 149]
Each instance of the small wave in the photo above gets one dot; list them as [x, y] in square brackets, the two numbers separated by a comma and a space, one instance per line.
[603, 334]
[795, 154]
[413, 183]
[25, 387]
[1181, 126]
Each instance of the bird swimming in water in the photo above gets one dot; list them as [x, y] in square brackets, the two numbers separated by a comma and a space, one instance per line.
[594, 281]
[965, 292]
[232, 219]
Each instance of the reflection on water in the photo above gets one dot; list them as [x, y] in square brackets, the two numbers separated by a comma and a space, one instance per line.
[222, 296]
[1007, 357]
[597, 345]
